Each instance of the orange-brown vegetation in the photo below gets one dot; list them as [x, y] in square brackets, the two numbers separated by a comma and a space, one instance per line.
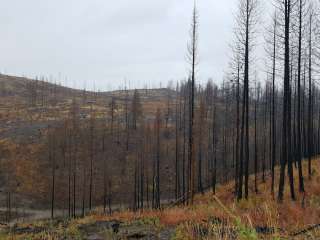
[260, 209]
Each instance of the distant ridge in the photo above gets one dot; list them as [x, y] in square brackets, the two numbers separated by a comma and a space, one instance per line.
[19, 86]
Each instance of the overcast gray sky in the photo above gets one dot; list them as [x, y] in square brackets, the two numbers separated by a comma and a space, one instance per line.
[103, 42]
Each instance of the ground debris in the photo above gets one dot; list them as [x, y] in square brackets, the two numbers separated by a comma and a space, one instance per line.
[27, 230]
[99, 226]
[306, 230]
[95, 237]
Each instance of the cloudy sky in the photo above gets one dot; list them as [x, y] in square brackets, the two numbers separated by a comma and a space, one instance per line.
[87, 43]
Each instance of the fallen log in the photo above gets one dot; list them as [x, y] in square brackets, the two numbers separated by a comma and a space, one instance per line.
[306, 230]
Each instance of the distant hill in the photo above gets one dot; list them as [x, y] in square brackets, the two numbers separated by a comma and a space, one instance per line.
[21, 87]
[27, 106]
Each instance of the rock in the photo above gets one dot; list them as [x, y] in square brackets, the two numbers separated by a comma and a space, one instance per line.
[142, 232]
[25, 230]
[117, 230]
[94, 237]
[99, 226]
[265, 230]
[115, 227]
[166, 234]
[141, 235]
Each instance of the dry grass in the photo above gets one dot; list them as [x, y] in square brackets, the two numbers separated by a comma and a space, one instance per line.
[260, 209]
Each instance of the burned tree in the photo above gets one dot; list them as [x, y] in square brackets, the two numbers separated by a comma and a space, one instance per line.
[246, 23]
[192, 57]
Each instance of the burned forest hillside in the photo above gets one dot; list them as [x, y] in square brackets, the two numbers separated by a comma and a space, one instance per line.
[228, 150]
[33, 110]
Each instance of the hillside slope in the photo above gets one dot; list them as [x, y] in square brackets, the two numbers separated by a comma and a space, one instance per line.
[29, 107]
[211, 217]
[22, 88]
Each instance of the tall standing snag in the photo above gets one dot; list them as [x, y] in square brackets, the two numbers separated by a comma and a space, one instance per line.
[246, 22]
[286, 114]
[192, 57]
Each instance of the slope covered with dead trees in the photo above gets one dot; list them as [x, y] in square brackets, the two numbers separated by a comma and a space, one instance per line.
[134, 149]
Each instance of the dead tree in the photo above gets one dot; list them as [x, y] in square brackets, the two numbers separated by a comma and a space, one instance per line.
[311, 30]
[52, 160]
[201, 114]
[192, 56]
[246, 24]
[92, 152]
[177, 145]
[286, 157]
[156, 165]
